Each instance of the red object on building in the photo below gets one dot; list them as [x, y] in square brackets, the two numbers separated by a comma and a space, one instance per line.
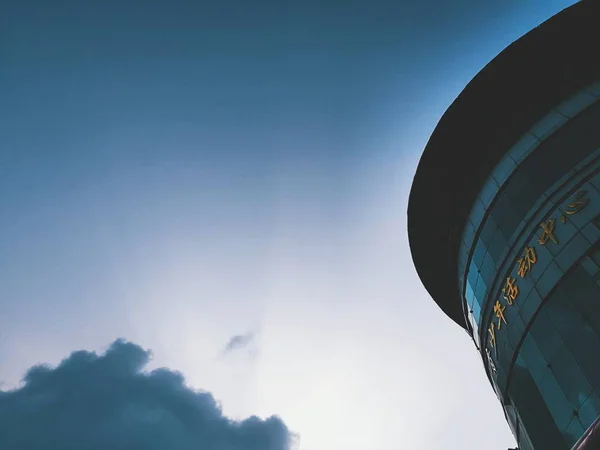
[591, 438]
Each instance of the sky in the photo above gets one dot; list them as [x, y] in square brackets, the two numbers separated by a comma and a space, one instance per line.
[203, 224]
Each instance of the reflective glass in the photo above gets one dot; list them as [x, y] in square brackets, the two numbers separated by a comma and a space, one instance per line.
[515, 329]
[489, 191]
[585, 348]
[505, 215]
[590, 266]
[553, 324]
[531, 357]
[546, 336]
[549, 279]
[503, 170]
[488, 269]
[522, 148]
[488, 230]
[476, 311]
[591, 232]
[544, 258]
[564, 233]
[469, 234]
[572, 252]
[469, 293]
[530, 305]
[480, 290]
[477, 213]
[589, 410]
[595, 181]
[478, 254]
[498, 246]
[570, 377]
[557, 402]
[573, 432]
[582, 217]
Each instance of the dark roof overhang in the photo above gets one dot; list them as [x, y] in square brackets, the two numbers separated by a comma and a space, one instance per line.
[500, 104]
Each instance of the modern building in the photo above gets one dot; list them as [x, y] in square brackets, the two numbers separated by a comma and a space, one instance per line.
[504, 226]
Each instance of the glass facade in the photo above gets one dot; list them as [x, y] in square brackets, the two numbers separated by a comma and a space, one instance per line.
[529, 273]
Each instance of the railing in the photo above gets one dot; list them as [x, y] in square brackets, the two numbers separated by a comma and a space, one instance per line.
[590, 439]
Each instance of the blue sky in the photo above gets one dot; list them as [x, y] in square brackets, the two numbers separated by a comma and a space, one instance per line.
[225, 184]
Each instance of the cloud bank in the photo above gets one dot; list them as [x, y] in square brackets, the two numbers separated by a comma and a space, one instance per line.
[102, 402]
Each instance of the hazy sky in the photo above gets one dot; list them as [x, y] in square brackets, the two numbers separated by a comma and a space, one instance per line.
[226, 184]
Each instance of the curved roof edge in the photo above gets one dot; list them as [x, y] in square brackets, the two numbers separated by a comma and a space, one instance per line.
[502, 102]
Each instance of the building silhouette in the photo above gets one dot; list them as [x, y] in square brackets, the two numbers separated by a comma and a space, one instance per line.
[504, 226]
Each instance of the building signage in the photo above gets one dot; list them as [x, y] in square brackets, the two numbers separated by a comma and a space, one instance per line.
[526, 263]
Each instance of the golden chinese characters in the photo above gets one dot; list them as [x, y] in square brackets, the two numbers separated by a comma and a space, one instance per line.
[528, 259]
[548, 232]
[510, 291]
[492, 332]
[499, 311]
[578, 204]
[525, 265]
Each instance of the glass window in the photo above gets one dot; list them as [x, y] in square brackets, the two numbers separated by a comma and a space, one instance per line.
[595, 181]
[589, 410]
[522, 194]
[524, 442]
[505, 215]
[590, 310]
[549, 279]
[595, 255]
[531, 357]
[588, 213]
[585, 348]
[530, 305]
[487, 233]
[591, 232]
[533, 410]
[564, 232]
[559, 406]
[480, 290]
[590, 266]
[488, 269]
[468, 234]
[505, 349]
[473, 274]
[573, 251]
[515, 328]
[476, 311]
[477, 213]
[561, 313]
[570, 377]
[469, 293]
[498, 246]
[544, 258]
[525, 286]
[573, 432]
[479, 253]
[546, 336]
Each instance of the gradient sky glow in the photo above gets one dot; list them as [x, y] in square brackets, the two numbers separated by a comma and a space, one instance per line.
[183, 173]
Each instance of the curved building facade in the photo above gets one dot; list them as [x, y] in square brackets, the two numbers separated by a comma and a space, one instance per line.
[504, 226]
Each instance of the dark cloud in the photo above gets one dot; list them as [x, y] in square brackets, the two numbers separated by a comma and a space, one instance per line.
[105, 402]
[239, 341]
